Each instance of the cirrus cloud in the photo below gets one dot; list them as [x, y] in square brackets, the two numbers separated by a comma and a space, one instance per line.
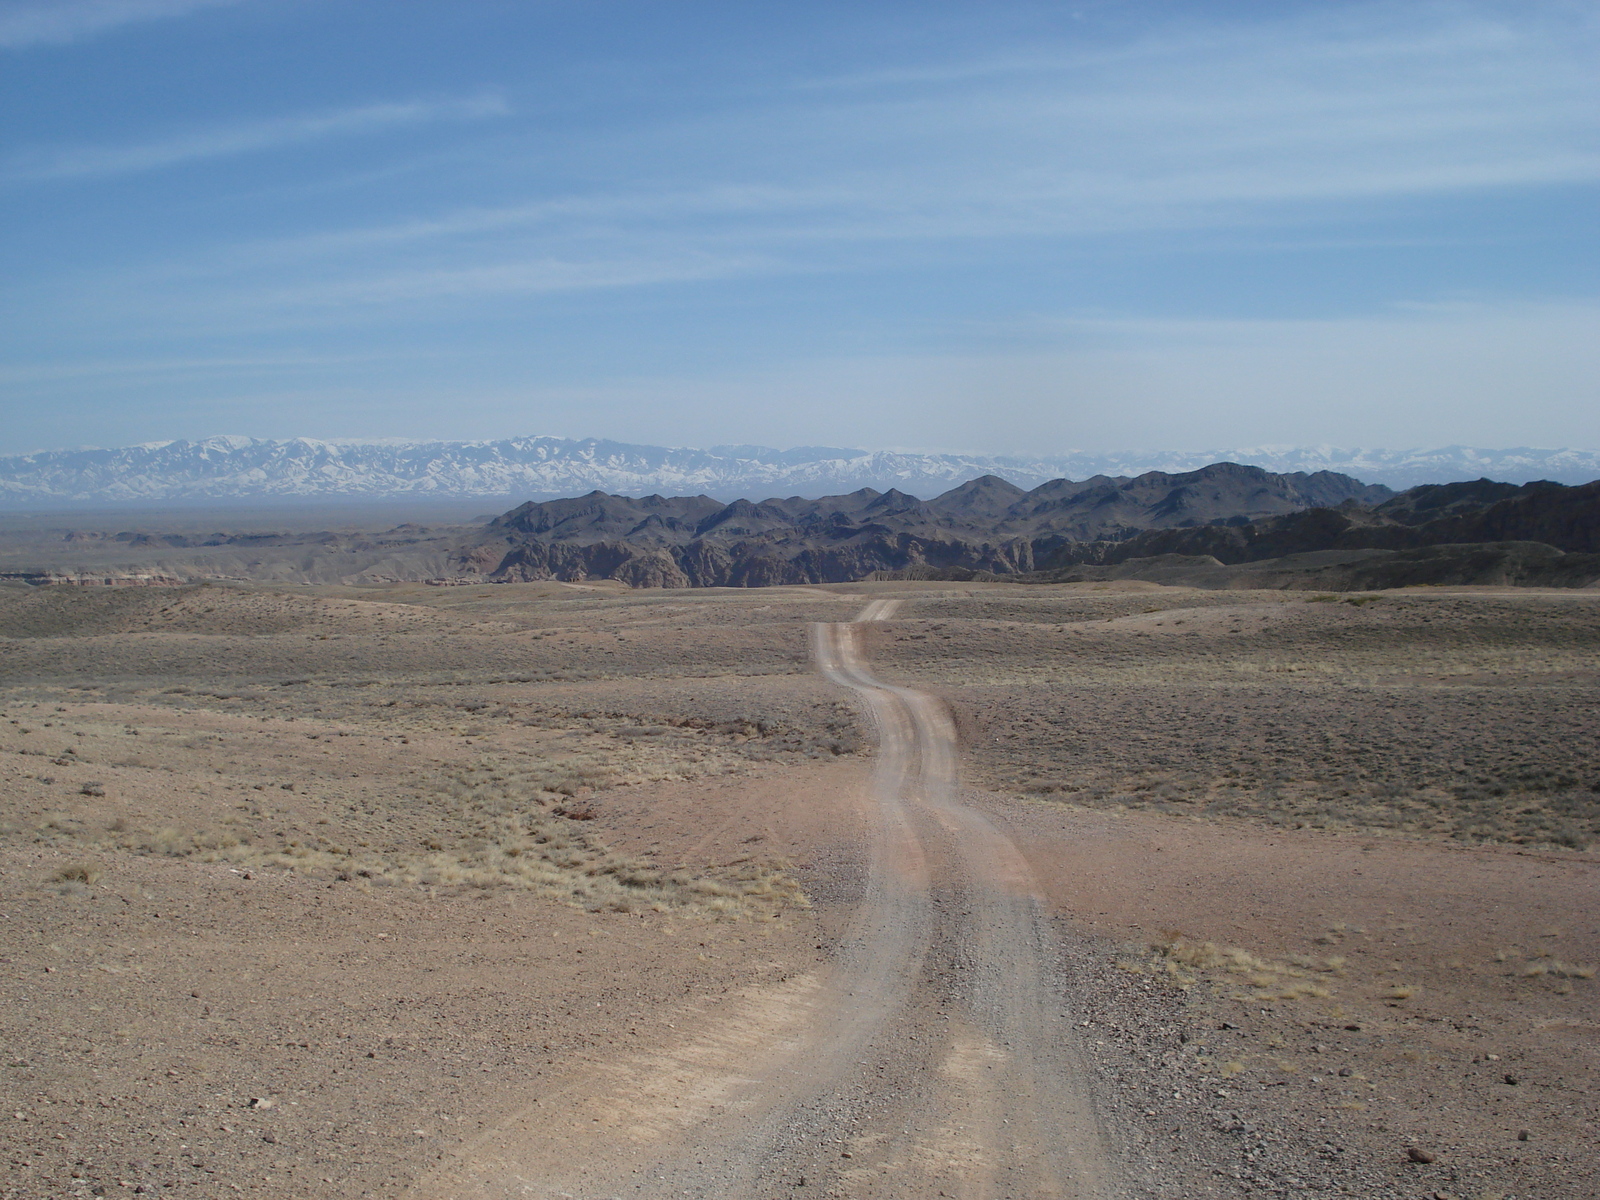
[79, 162]
[24, 25]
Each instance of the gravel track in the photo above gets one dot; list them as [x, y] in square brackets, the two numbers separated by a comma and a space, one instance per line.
[930, 1058]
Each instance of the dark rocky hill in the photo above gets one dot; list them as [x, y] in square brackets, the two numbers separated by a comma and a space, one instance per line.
[1565, 518]
[1479, 532]
[985, 524]
[1223, 526]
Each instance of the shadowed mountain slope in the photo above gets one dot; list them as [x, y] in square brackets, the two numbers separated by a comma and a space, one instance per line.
[1479, 532]
[985, 524]
[1565, 518]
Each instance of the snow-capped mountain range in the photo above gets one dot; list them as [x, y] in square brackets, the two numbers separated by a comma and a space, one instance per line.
[238, 469]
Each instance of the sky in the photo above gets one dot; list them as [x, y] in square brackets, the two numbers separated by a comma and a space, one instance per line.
[989, 227]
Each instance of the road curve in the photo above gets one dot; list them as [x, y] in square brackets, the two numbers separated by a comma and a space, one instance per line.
[1011, 1084]
[932, 1058]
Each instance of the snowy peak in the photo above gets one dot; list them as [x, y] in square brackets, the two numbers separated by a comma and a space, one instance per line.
[235, 469]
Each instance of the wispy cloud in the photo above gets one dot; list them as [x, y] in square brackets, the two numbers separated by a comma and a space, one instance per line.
[526, 277]
[80, 162]
[1249, 128]
[143, 368]
[58, 21]
[1181, 125]
[614, 211]
[1253, 128]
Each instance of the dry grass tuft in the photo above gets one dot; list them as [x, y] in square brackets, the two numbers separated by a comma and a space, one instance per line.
[1187, 961]
[80, 872]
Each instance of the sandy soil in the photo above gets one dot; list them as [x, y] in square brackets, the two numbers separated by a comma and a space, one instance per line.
[205, 995]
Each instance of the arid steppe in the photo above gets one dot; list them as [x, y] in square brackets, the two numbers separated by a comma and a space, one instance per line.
[443, 891]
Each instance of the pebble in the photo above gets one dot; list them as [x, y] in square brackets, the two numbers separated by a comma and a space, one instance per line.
[1418, 1155]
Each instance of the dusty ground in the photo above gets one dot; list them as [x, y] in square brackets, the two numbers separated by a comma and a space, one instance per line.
[253, 837]
[339, 543]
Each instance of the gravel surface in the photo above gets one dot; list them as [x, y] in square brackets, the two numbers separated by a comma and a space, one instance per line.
[1218, 795]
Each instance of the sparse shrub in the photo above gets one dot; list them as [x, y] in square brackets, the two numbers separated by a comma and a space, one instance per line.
[1186, 961]
[80, 872]
[580, 811]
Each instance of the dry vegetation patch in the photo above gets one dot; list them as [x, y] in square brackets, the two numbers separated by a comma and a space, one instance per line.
[357, 804]
[429, 737]
[1263, 979]
[309, 884]
[1465, 716]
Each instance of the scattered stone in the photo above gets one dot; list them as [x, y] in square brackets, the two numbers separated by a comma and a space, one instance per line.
[1418, 1155]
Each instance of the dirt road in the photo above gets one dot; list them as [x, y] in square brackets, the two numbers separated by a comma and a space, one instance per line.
[1296, 860]
[1002, 1085]
[931, 1057]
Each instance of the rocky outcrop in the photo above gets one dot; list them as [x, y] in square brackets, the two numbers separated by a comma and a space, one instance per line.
[1552, 514]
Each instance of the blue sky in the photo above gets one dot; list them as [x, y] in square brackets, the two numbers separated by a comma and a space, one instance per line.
[976, 227]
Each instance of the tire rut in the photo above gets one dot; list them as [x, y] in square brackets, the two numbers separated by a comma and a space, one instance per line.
[931, 1059]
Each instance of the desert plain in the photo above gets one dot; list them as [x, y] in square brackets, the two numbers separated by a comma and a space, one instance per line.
[551, 889]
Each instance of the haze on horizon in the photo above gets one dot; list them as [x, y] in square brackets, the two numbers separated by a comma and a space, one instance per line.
[985, 229]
